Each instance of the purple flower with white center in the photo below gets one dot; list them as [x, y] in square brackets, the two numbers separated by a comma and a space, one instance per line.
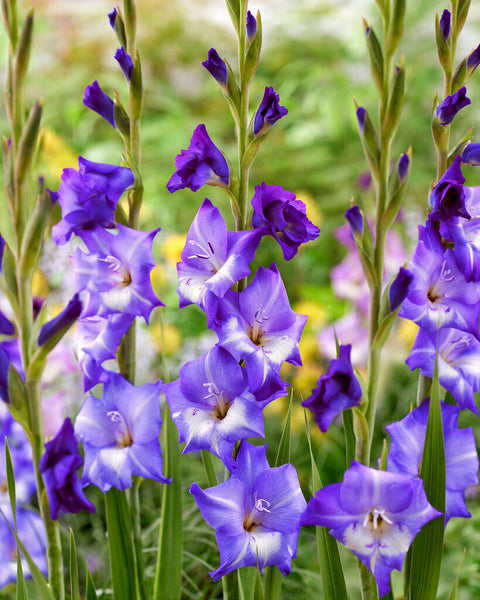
[201, 164]
[58, 326]
[445, 24]
[251, 26]
[116, 272]
[466, 235]
[120, 434]
[255, 514]
[216, 67]
[448, 197]
[97, 100]
[439, 295]
[89, 197]
[99, 339]
[458, 362]
[59, 465]
[399, 288]
[284, 216]
[213, 259]
[259, 326]
[447, 110]
[461, 458]
[268, 112]
[376, 514]
[125, 61]
[211, 405]
[336, 391]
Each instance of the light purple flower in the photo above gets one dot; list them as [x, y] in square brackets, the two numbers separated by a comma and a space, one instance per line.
[336, 391]
[350, 329]
[458, 362]
[97, 100]
[211, 405]
[447, 110]
[59, 465]
[255, 514]
[448, 197]
[201, 164]
[376, 514]
[216, 67]
[120, 434]
[116, 272]
[213, 259]
[461, 458]
[268, 112]
[259, 326]
[89, 197]
[284, 217]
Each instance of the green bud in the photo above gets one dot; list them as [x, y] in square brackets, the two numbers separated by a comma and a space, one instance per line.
[22, 55]
[395, 29]
[460, 146]
[9, 277]
[7, 156]
[376, 57]
[369, 139]
[395, 102]
[462, 13]
[32, 241]
[120, 29]
[17, 392]
[460, 76]
[383, 458]
[397, 186]
[253, 53]
[232, 92]
[122, 120]
[233, 7]
[443, 47]
[9, 11]
[136, 89]
[130, 24]
[28, 143]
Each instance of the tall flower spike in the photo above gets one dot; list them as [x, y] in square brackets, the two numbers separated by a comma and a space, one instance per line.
[255, 514]
[375, 514]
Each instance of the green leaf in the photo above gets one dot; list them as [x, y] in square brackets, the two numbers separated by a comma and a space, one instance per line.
[74, 587]
[453, 593]
[169, 563]
[283, 454]
[120, 545]
[331, 570]
[349, 436]
[273, 583]
[22, 593]
[209, 468]
[259, 595]
[90, 593]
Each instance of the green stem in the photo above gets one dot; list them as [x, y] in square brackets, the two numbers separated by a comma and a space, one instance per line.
[369, 585]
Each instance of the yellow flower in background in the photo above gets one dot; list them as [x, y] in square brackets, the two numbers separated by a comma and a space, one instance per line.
[313, 212]
[407, 331]
[170, 336]
[40, 284]
[172, 247]
[55, 154]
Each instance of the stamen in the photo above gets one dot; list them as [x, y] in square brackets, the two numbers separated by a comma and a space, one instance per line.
[123, 437]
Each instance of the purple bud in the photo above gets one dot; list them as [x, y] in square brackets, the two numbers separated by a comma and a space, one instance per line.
[251, 26]
[96, 99]
[125, 62]
[216, 67]
[268, 112]
[2, 248]
[112, 17]
[445, 24]
[403, 165]
[447, 110]
[62, 321]
[361, 118]
[37, 304]
[473, 59]
[399, 288]
[355, 219]
[53, 197]
[471, 154]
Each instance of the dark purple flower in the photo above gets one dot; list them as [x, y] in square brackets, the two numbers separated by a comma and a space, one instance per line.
[471, 154]
[216, 67]
[251, 26]
[59, 465]
[255, 514]
[448, 197]
[213, 259]
[473, 59]
[96, 99]
[6, 326]
[125, 62]
[211, 405]
[201, 164]
[361, 113]
[268, 112]
[376, 514]
[461, 458]
[403, 165]
[445, 24]
[337, 390]
[447, 110]
[399, 288]
[120, 434]
[355, 219]
[89, 197]
[2, 249]
[112, 17]
[285, 218]
[62, 322]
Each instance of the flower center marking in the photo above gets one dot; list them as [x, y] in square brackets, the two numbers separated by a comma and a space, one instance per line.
[256, 333]
[374, 520]
[121, 276]
[260, 505]
[221, 404]
[123, 437]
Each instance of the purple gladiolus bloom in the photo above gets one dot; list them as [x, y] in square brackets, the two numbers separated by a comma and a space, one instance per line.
[461, 458]
[112, 17]
[336, 391]
[259, 326]
[376, 514]
[285, 218]
[447, 110]
[201, 164]
[125, 62]
[59, 465]
[403, 165]
[439, 295]
[458, 362]
[268, 112]
[213, 259]
[473, 59]
[97, 100]
[211, 405]
[116, 272]
[471, 154]
[62, 322]
[120, 434]
[216, 67]
[251, 26]
[361, 118]
[445, 24]
[89, 197]
[6, 326]
[355, 219]
[255, 514]
[448, 197]
[399, 288]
